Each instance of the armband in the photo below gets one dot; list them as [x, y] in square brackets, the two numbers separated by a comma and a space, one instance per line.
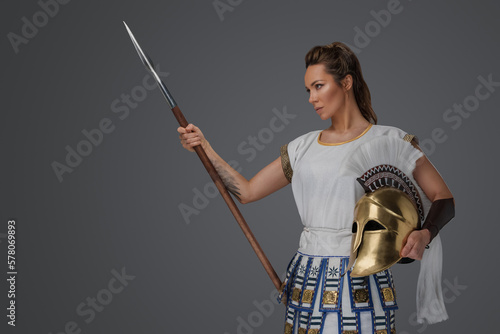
[440, 213]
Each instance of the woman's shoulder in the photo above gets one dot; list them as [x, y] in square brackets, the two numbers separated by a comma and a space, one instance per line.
[309, 134]
[388, 130]
[306, 137]
[301, 143]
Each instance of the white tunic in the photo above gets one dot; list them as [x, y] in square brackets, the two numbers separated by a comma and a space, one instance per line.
[324, 198]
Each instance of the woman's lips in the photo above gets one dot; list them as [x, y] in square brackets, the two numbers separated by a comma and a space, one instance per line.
[319, 109]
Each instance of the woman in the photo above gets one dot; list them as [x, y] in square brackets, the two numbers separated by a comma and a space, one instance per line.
[326, 200]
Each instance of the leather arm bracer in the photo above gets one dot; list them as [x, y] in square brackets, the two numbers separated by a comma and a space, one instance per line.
[440, 213]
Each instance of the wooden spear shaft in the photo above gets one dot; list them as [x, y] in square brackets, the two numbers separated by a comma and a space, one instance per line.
[209, 166]
[231, 204]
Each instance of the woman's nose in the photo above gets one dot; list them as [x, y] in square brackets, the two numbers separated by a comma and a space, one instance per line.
[312, 98]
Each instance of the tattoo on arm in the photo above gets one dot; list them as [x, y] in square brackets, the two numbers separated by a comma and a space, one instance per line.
[228, 180]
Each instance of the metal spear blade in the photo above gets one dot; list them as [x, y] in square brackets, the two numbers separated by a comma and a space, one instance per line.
[146, 60]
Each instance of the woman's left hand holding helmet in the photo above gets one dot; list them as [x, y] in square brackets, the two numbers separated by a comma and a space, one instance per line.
[415, 244]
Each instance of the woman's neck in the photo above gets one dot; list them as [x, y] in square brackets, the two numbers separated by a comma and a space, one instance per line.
[348, 119]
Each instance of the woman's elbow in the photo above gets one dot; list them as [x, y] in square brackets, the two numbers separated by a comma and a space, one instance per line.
[245, 200]
[246, 195]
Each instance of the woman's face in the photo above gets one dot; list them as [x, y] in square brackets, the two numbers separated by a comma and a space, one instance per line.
[325, 94]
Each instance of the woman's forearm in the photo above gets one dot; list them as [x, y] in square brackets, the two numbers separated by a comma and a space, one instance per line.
[235, 183]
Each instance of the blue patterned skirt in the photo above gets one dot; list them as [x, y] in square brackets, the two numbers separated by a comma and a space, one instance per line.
[321, 297]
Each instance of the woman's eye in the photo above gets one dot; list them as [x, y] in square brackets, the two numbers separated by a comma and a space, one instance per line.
[317, 86]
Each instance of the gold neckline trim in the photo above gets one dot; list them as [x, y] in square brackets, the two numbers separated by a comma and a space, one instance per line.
[335, 144]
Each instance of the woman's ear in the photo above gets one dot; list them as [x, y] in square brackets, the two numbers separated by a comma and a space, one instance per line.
[347, 82]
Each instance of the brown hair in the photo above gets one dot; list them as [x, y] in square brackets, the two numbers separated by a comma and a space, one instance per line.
[340, 61]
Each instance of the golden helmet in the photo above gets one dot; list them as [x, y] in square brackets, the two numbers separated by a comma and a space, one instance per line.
[383, 219]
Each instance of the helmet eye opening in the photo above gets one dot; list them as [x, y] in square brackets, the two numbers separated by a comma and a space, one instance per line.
[373, 225]
[354, 227]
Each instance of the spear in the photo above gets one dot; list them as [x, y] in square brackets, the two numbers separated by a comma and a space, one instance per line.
[208, 165]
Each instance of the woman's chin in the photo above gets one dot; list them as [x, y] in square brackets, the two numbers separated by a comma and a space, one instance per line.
[323, 115]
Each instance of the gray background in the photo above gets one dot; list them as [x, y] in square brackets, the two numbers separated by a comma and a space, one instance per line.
[120, 207]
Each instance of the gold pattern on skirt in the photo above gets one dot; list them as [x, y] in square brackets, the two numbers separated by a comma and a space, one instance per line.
[387, 294]
[330, 297]
[288, 328]
[283, 297]
[361, 295]
[381, 331]
[296, 294]
[308, 296]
